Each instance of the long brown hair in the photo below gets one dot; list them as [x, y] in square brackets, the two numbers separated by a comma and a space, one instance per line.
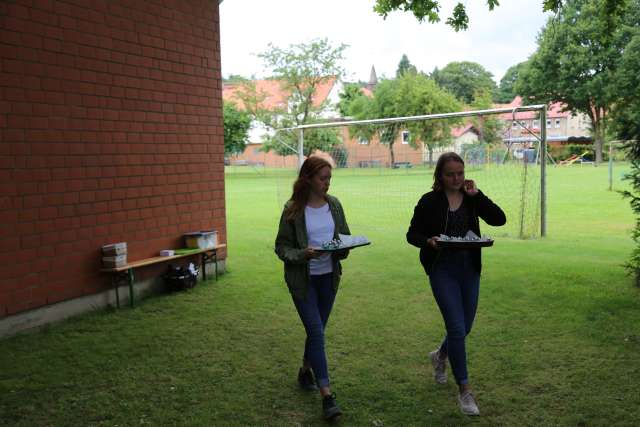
[442, 160]
[302, 186]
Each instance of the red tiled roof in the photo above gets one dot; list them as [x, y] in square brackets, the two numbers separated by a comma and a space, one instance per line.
[366, 92]
[276, 96]
[553, 111]
[461, 130]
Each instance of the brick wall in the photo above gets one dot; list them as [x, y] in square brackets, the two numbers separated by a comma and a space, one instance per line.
[376, 151]
[110, 130]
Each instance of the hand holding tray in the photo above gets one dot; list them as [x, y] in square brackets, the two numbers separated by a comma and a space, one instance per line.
[470, 241]
[343, 242]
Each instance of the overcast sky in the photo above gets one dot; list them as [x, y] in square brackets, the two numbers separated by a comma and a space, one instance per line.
[497, 39]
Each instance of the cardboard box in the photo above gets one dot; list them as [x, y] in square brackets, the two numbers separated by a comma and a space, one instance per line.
[114, 261]
[114, 249]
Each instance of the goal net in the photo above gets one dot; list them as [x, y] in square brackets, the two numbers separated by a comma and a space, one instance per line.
[380, 178]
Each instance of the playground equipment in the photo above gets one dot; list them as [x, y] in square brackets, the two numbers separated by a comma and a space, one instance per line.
[575, 158]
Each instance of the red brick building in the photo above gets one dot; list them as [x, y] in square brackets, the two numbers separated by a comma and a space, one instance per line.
[110, 130]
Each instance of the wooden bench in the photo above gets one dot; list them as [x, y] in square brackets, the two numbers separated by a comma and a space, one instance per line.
[124, 274]
[398, 165]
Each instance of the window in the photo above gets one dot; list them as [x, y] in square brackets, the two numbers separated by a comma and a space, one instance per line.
[548, 123]
[363, 141]
[405, 137]
[256, 151]
[557, 123]
[514, 125]
[536, 124]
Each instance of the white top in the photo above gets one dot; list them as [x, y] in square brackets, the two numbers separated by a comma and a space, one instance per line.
[320, 228]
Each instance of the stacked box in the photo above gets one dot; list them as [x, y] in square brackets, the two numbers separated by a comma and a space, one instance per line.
[114, 255]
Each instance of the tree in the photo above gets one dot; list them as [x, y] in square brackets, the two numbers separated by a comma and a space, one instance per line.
[236, 128]
[490, 127]
[463, 79]
[253, 102]
[405, 66]
[626, 124]
[626, 111]
[577, 60]
[430, 10]
[234, 78]
[349, 93]
[301, 68]
[506, 90]
[409, 95]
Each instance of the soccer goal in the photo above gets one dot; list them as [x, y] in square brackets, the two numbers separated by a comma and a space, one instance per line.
[381, 169]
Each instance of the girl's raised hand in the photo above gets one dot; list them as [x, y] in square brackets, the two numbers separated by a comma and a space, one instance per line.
[470, 187]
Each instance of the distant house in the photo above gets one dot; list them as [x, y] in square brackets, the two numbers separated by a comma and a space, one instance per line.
[276, 98]
[363, 152]
[561, 126]
[462, 135]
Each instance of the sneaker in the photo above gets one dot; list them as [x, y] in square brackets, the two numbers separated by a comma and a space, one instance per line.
[306, 381]
[439, 367]
[330, 408]
[468, 403]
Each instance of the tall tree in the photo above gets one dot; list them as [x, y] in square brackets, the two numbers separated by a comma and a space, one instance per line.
[506, 89]
[459, 20]
[409, 95]
[301, 69]
[253, 102]
[463, 79]
[405, 66]
[350, 92]
[626, 111]
[236, 128]
[577, 60]
[626, 121]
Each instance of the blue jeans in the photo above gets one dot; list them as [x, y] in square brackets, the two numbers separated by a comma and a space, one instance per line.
[314, 312]
[455, 284]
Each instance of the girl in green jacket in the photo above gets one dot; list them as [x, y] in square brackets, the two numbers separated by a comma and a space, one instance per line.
[310, 218]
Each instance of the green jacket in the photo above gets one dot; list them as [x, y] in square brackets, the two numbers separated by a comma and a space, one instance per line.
[292, 241]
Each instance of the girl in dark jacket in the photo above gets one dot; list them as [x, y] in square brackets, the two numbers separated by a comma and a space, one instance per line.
[453, 209]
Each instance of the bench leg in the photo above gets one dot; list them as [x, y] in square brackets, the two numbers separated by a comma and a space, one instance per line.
[116, 284]
[206, 258]
[123, 278]
[204, 266]
[130, 277]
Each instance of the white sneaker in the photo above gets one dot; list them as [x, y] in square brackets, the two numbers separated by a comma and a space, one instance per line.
[468, 403]
[439, 367]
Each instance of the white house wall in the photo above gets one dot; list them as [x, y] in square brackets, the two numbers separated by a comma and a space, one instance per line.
[333, 98]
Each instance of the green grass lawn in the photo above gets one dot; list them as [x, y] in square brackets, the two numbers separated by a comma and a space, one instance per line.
[556, 340]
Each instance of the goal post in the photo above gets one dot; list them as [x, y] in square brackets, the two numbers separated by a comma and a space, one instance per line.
[527, 201]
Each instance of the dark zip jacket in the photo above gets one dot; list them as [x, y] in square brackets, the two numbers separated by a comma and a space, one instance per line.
[430, 219]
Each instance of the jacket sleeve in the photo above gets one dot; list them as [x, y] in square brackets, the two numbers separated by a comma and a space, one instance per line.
[285, 246]
[489, 211]
[344, 229]
[417, 233]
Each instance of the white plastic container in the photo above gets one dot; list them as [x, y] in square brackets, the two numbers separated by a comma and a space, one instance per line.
[167, 252]
[205, 239]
